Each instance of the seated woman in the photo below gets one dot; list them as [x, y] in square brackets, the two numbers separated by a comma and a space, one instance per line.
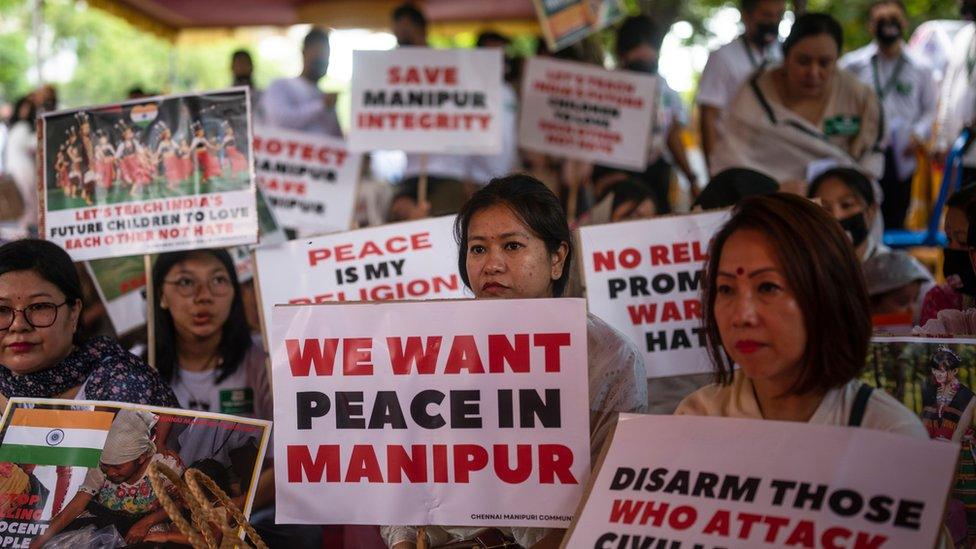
[41, 352]
[626, 200]
[785, 300]
[118, 492]
[847, 195]
[895, 282]
[803, 111]
[514, 243]
[959, 290]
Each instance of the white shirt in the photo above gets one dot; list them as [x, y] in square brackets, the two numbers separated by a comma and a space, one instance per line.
[19, 160]
[907, 91]
[957, 101]
[483, 167]
[729, 66]
[738, 399]
[298, 104]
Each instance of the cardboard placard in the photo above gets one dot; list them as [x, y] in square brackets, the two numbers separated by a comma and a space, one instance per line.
[421, 100]
[579, 111]
[565, 22]
[777, 484]
[470, 412]
[644, 279]
[52, 452]
[148, 176]
[309, 180]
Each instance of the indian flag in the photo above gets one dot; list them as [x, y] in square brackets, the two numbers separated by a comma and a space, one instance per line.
[43, 436]
[143, 115]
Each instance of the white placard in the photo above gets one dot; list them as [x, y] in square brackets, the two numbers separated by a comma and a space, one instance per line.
[574, 110]
[644, 279]
[427, 101]
[309, 180]
[470, 412]
[775, 484]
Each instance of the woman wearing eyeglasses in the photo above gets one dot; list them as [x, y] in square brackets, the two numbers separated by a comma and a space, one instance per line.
[42, 354]
[204, 348]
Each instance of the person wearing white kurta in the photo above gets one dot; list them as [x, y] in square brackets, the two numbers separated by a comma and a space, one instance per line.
[730, 65]
[906, 89]
[957, 100]
[298, 103]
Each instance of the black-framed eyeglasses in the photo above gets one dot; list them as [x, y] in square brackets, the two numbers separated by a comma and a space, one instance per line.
[219, 285]
[38, 315]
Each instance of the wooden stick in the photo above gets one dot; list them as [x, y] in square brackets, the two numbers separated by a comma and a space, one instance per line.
[150, 313]
[422, 180]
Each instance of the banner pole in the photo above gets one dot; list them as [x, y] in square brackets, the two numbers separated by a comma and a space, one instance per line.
[150, 313]
[422, 180]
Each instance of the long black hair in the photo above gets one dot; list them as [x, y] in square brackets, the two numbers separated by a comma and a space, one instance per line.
[235, 339]
[534, 204]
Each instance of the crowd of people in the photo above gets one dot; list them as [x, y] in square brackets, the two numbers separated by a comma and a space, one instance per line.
[814, 151]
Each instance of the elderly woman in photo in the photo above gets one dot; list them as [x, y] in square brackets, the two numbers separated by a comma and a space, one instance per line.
[118, 492]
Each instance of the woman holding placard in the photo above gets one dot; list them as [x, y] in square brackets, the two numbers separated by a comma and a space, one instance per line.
[514, 243]
[785, 301]
[41, 351]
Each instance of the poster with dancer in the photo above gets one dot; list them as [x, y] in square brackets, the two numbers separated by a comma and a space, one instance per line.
[153, 175]
[936, 377]
[67, 466]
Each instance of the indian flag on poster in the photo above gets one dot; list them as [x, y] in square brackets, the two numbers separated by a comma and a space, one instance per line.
[43, 436]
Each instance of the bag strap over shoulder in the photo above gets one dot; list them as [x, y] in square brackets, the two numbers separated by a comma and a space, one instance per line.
[860, 405]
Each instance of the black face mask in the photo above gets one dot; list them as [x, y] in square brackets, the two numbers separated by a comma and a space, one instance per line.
[888, 31]
[646, 67]
[957, 263]
[968, 10]
[856, 227]
[766, 34]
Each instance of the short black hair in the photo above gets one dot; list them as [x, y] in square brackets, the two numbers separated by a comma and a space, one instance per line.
[47, 259]
[241, 53]
[491, 36]
[852, 177]
[635, 31]
[961, 198]
[534, 204]
[631, 190]
[730, 186]
[235, 340]
[814, 24]
[410, 12]
[315, 37]
[879, 3]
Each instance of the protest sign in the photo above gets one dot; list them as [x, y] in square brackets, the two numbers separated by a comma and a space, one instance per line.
[121, 285]
[565, 22]
[644, 278]
[148, 176]
[777, 484]
[51, 451]
[413, 260]
[423, 100]
[467, 412]
[579, 111]
[309, 180]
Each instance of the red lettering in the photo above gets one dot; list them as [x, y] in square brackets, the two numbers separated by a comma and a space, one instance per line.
[604, 261]
[464, 355]
[645, 313]
[552, 343]
[390, 245]
[523, 463]
[420, 241]
[555, 460]
[322, 357]
[829, 538]
[300, 461]
[802, 534]
[867, 541]
[403, 360]
[356, 356]
[501, 351]
[747, 519]
[719, 524]
[468, 458]
[414, 465]
[363, 464]
[625, 511]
